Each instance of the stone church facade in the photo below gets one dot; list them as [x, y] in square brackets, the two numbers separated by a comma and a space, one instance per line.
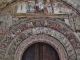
[54, 22]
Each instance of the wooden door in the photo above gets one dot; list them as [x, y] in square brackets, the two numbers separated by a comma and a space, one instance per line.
[40, 51]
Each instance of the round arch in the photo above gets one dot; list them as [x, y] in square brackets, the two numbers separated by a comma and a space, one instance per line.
[16, 35]
[44, 39]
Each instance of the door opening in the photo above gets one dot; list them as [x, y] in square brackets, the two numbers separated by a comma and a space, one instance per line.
[40, 51]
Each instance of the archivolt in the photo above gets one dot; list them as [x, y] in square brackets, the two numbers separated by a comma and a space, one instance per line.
[56, 29]
[47, 31]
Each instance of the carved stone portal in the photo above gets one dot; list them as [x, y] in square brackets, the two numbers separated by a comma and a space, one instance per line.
[51, 31]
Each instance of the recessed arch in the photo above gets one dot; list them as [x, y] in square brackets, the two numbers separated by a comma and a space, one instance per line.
[40, 51]
[61, 38]
[9, 44]
[42, 39]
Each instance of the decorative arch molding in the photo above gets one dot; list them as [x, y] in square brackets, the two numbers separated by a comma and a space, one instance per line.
[47, 31]
[44, 39]
[11, 40]
[65, 3]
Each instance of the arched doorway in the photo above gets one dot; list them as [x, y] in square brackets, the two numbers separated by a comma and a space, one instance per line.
[40, 51]
[45, 30]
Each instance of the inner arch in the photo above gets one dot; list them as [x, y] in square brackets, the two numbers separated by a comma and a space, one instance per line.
[40, 51]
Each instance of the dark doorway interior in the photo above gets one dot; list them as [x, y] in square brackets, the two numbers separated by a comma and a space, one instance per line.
[40, 51]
